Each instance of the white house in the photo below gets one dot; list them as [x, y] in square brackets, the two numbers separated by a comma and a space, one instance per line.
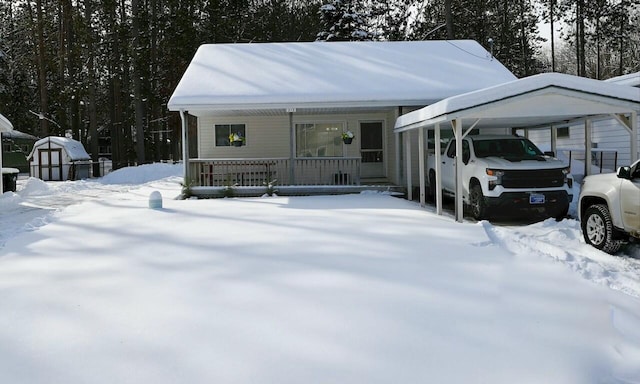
[291, 102]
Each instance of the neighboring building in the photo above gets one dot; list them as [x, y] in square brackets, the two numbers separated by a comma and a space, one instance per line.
[16, 146]
[58, 159]
[291, 102]
[611, 148]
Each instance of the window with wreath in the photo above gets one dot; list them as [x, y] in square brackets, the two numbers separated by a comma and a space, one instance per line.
[319, 140]
[223, 133]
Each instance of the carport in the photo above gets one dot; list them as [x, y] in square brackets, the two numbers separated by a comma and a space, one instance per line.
[545, 101]
[5, 126]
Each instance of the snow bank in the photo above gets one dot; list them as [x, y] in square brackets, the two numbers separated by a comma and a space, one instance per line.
[142, 174]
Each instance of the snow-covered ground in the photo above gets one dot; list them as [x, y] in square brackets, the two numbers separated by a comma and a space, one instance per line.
[95, 287]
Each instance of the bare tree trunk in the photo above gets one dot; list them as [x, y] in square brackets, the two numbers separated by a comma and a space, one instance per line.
[580, 43]
[553, 43]
[137, 81]
[448, 16]
[91, 88]
[42, 75]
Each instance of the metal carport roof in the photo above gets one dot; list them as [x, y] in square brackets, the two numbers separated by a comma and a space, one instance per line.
[545, 100]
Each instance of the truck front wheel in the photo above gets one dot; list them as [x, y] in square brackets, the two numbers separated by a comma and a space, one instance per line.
[597, 229]
[477, 203]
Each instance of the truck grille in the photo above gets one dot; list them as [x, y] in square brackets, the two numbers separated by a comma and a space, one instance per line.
[533, 178]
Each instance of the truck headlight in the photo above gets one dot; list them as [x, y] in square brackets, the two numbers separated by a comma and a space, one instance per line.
[497, 173]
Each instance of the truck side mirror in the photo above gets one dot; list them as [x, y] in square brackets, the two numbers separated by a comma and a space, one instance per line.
[624, 173]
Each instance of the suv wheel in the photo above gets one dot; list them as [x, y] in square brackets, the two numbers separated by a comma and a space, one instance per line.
[597, 229]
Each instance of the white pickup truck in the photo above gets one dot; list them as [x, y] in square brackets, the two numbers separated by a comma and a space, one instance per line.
[506, 176]
[609, 208]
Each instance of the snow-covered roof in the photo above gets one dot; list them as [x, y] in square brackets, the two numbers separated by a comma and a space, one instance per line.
[631, 79]
[335, 74]
[18, 135]
[75, 150]
[5, 124]
[532, 101]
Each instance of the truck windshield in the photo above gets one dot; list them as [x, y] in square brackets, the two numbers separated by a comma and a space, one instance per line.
[513, 149]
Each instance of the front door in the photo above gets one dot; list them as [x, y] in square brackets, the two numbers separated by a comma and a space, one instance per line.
[371, 149]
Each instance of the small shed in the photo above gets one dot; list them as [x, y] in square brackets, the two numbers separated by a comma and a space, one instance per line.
[58, 159]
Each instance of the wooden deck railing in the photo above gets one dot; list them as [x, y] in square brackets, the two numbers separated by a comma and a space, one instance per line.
[280, 171]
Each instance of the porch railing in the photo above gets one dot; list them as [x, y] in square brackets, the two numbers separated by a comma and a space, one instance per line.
[257, 172]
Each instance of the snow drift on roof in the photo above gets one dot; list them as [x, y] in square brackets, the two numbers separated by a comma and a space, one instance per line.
[347, 73]
[18, 135]
[75, 150]
[631, 79]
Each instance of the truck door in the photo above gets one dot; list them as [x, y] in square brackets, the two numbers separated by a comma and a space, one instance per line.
[630, 200]
[448, 167]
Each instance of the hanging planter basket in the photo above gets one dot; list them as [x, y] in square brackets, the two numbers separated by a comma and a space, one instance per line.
[347, 140]
[237, 143]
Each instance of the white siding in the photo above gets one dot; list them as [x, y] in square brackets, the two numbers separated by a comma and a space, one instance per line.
[605, 134]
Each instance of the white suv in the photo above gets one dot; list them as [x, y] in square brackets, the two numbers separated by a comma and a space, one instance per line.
[609, 208]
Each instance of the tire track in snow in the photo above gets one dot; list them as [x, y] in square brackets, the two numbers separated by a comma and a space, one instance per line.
[542, 239]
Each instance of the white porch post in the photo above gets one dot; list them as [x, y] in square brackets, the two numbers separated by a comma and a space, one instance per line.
[185, 147]
[292, 138]
[457, 129]
[587, 147]
[421, 166]
[407, 148]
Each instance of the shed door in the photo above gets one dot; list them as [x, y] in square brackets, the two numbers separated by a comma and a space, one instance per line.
[371, 149]
[50, 167]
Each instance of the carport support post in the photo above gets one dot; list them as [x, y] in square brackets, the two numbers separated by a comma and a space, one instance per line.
[554, 140]
[587, 147]
[438, 161]
[421, 165]
[407, 148]
[457, 129]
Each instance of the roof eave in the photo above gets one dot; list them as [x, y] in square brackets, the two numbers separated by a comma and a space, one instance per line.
[295, 105]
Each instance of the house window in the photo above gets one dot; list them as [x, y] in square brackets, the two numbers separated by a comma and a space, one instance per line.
[319, 140]
[563, 132]
[223, 131]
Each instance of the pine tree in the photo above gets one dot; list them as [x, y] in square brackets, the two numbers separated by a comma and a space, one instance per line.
[342, 20]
